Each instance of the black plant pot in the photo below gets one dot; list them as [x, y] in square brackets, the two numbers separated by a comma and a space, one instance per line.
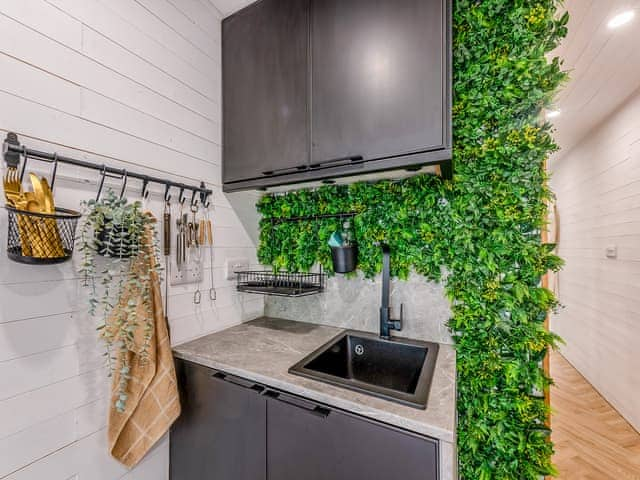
[345, 259]
[117, 250]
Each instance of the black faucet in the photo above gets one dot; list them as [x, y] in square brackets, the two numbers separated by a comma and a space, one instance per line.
[386, 322]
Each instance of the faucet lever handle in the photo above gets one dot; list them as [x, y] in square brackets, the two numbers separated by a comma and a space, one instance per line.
[397, 324]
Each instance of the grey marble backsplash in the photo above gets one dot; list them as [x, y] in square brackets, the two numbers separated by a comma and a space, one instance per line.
[354, 303]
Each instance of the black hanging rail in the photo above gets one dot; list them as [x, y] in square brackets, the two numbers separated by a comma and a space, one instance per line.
[308, 218]
[13, 150]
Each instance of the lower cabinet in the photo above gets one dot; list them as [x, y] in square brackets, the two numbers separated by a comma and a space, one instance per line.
[221, 434]
[232, 429]
[306, 441]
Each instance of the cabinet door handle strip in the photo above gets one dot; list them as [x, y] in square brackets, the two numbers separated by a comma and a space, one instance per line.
[238, 381]
[299, 168]
[306, 405]
[341, 160]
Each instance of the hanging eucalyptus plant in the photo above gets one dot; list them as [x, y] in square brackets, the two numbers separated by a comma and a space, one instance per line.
[118, 246]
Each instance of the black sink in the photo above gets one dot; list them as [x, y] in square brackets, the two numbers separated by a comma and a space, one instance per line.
[396, 369]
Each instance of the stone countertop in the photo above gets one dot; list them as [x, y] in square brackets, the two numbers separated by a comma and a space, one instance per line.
[264, 349]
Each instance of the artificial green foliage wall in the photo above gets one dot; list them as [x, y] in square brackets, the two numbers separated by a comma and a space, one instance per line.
[483, 227]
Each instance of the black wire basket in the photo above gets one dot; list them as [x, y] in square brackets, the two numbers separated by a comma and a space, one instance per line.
[41, 238]
[282, 284]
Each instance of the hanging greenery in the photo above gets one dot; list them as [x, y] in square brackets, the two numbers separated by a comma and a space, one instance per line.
[483, 227]
[116, 257]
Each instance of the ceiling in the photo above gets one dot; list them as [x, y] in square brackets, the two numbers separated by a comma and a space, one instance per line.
[604, 67]
[227, 7]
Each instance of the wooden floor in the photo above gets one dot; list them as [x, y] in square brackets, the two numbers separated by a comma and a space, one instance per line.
[593, 442]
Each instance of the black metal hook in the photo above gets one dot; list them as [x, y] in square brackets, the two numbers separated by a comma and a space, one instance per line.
[204, 196]
[194, 200]
[101, 184]
[145, 187]
[181, 198]
[124, 183]
[55, 170]
[167, 197]
[24, 163]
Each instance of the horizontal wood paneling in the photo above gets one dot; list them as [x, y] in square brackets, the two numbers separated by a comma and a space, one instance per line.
[132, 83]
[597, 185]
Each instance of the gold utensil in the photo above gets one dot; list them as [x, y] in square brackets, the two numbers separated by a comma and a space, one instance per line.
[12, 192]
[47, 226]
[50, 208]
[11, 182]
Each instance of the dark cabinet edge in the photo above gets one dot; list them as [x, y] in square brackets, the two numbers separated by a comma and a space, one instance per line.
[441, 158]
[322, 408]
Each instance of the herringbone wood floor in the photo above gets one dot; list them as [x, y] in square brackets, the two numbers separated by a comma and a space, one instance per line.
[593, 442]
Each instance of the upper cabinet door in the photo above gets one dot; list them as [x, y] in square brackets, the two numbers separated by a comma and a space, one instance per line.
[379, 76]
[265, 71]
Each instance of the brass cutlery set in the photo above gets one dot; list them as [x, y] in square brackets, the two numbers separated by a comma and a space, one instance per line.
[34, 212]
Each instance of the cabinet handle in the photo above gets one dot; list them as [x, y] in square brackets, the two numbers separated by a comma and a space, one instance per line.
[238, 381]
[278, 171]
[353, 159]
[306, 405]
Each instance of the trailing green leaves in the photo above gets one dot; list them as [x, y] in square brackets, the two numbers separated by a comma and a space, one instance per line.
[483, 227]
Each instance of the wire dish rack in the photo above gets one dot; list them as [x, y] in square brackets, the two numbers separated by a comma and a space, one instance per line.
[281, 284]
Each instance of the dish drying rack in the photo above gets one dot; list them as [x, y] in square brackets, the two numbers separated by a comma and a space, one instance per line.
[281, 284]
[286, 284]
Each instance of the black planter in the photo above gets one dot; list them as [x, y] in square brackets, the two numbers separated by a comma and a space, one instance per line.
[119, 251]
[345, 259]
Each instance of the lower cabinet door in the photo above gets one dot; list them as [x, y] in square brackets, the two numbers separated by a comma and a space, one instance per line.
[221, 432]
[306, 441]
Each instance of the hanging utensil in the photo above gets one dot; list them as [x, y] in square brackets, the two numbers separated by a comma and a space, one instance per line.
[166, 246]
[179, 235]
[207, 239]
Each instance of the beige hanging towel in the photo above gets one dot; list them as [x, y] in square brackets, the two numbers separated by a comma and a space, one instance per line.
[153, 402]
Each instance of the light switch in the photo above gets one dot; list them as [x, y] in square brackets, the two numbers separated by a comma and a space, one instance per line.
[612, 251]
[233, 265]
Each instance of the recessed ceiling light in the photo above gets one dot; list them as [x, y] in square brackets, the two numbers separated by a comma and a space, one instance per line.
[621, 19]
[553, 113]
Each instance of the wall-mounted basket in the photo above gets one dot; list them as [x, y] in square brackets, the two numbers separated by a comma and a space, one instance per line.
[280, 283]
[41, 238]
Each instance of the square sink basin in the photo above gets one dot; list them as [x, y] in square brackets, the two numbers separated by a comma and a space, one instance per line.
[398, 369]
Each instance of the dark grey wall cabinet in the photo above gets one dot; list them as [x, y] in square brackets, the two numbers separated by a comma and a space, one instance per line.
[233, 429]
[317, 89]
[221, 432]
[379, 78]
[265, 89]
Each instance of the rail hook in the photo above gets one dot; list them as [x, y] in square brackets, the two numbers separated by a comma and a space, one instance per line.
[103, 173]
[194, 200]
[145, 189]
[124, 183]
[55, 170]
[24, 163]
[181, 198]
[167, 197]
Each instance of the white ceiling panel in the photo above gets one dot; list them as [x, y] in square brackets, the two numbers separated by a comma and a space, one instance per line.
[227, 7]
[603, 63]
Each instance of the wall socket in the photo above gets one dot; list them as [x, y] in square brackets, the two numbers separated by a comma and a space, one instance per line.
[233, 265]
[189, 273]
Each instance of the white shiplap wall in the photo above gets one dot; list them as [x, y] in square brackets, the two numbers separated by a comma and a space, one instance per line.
[597, 185]
[135, 83]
